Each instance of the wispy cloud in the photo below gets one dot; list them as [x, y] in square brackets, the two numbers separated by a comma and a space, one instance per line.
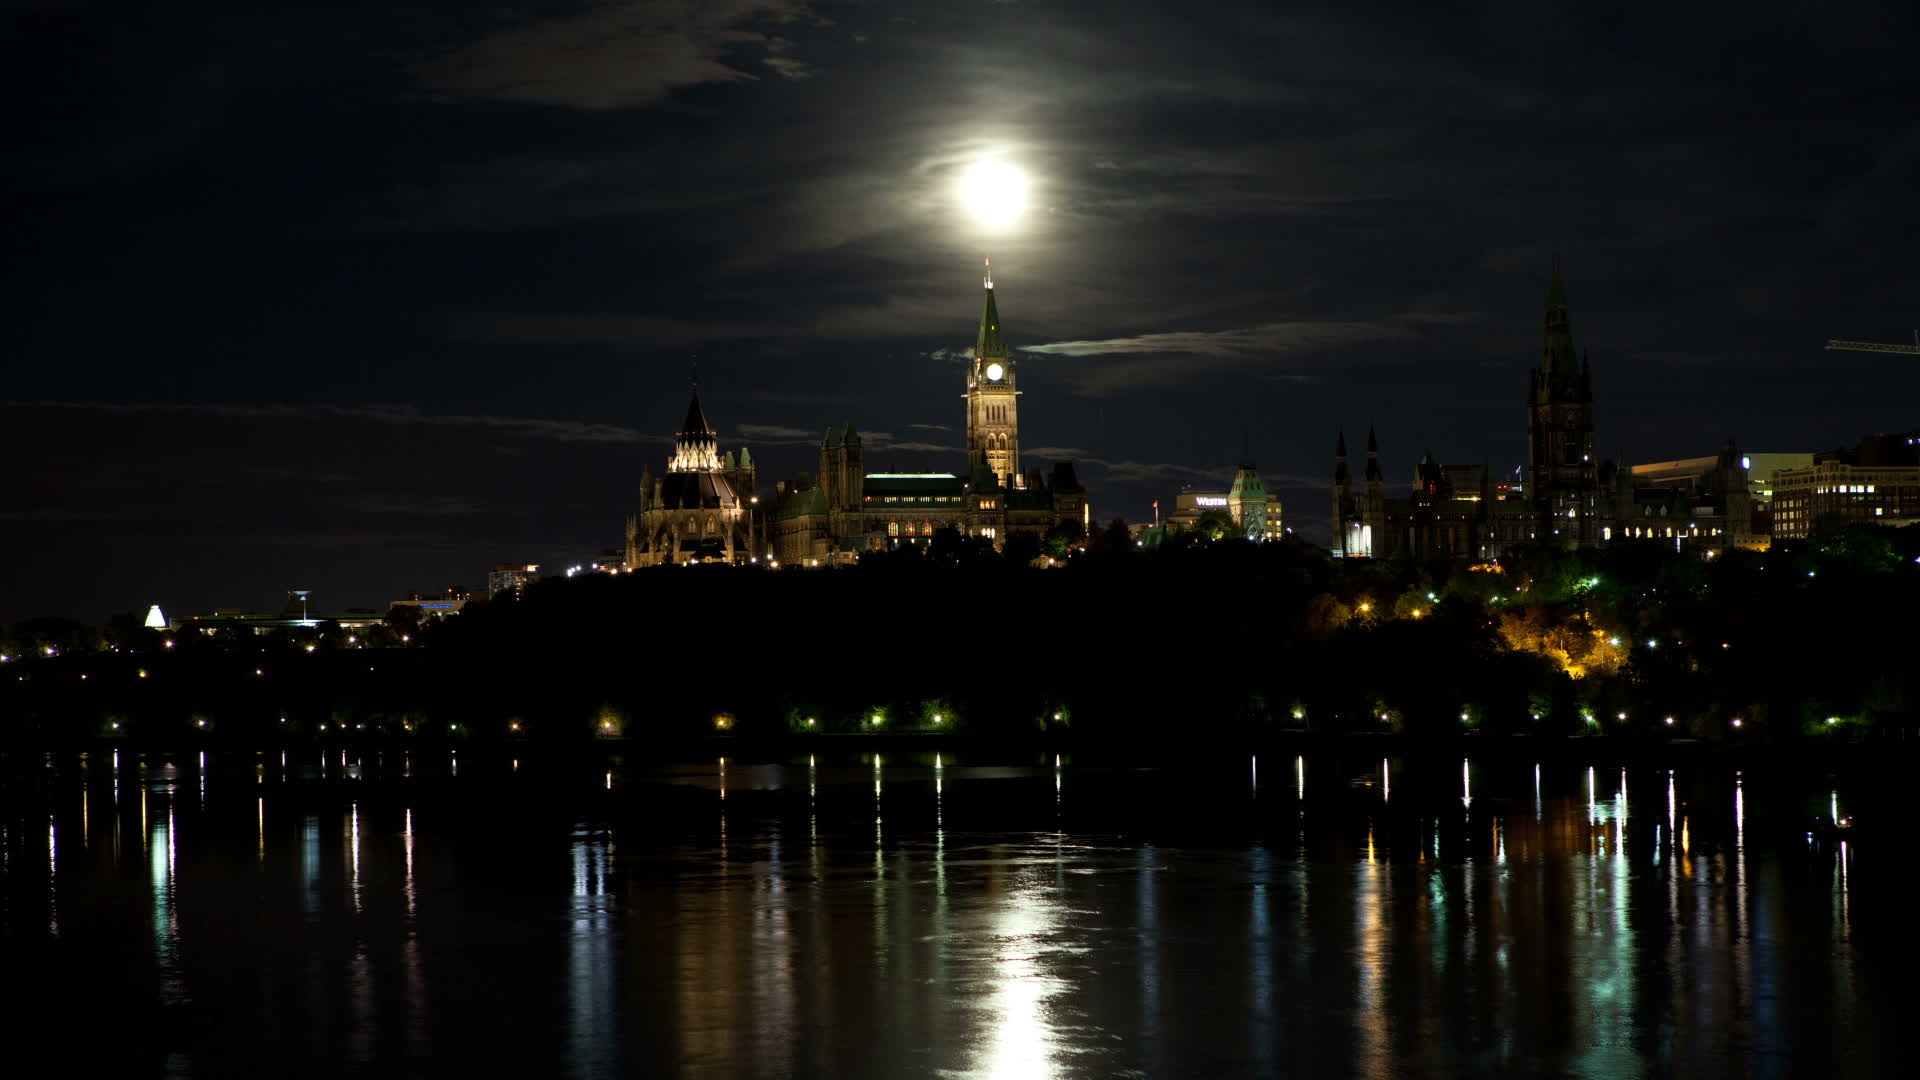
[1120, 471]
[1159, 358]
[617, 54]
[1239, 341]
[932, 427]
[777, 432]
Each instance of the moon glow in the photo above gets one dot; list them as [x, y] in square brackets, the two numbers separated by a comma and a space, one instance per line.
[994, 192]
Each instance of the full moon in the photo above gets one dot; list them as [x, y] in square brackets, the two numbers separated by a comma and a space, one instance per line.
[994, 192]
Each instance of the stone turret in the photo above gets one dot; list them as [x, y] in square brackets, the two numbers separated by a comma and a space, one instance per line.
[1247, 503]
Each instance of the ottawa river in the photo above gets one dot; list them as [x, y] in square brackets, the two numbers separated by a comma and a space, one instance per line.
[440, 914]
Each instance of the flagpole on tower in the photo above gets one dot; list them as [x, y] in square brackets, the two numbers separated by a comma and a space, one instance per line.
[989, 272]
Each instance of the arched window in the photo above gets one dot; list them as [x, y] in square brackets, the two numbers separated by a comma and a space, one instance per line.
[893, 528]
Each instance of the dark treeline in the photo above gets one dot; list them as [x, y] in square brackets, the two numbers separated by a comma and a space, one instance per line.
[1194, 643]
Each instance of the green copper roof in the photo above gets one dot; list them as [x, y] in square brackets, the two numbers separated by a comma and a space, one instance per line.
[809, 503]
[852, 437]
[833, 438]
[989, 343]
[1247, 485]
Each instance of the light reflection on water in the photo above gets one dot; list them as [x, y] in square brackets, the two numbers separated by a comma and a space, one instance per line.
[936, 917]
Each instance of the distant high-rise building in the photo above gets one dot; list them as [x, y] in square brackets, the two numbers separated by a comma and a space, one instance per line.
[1876, 482]
[513, 578]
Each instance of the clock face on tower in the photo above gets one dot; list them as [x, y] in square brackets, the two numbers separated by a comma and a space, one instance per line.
[994, 371]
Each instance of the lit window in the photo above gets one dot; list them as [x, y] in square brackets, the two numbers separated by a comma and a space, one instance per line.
[893, 528]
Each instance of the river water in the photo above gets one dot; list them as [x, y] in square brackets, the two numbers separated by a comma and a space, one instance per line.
[854, 915]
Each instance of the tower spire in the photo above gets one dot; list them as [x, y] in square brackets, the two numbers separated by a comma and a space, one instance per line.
[1557, 360]
[989, 343]
[695, 446]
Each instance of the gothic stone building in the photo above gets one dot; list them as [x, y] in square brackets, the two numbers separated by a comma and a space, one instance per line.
[1563, 497]
[703, 510]
[844, 510]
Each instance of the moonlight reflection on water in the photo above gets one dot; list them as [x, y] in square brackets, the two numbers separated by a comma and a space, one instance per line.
[924, 914]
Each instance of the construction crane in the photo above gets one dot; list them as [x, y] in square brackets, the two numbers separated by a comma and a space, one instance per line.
[1879, 346]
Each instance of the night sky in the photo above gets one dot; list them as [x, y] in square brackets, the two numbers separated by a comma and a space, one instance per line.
[369, 295]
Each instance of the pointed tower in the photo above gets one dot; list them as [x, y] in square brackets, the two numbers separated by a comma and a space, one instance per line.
[1343, 509]
[1562, 476]
[696, 446]
[993, 418]
[1371, 520]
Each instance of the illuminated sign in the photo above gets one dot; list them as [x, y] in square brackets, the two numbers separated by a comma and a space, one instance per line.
[1209, 500]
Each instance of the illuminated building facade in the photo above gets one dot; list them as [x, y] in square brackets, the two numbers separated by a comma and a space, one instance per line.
[1445, 513]
[512, 577]
[1359, 515]
[1705, 502]
[1875, 483]
[299, 612]
[438, 607]
[704, 509]
[1254, 512]
[843, 510]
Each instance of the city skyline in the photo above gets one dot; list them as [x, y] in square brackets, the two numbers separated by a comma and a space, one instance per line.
[360, 304]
